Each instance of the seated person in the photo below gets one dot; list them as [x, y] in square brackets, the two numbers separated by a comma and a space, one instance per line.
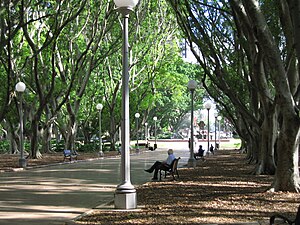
[200, 153]
[161, 165]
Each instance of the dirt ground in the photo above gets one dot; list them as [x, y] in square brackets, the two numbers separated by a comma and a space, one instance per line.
[10, 162]
[220, 190]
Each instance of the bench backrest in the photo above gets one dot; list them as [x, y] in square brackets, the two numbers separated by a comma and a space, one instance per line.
[174, 164]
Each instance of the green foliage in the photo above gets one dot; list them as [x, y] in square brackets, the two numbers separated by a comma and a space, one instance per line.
[70, 59]
[4, 146]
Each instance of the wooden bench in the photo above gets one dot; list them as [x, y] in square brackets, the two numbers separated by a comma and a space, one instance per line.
[69, 154]
[142, 144]
[198, 156]
[285, 219]
[170, 171]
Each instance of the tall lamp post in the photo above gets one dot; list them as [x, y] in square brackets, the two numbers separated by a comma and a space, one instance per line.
[155, 144]
[192, 86]
[146, 133]
[219, 119]
[100, 107]
[20, 88]
[216, 115]
[125, 194]
[137, 116]
[207, 106]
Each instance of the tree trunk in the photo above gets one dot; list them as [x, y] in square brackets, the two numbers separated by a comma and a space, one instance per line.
[11, 136]
[266, 164]
[34, 139]
[71, 132]
[287, 173]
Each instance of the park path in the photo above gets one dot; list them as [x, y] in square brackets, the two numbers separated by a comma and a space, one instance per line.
[54, 194]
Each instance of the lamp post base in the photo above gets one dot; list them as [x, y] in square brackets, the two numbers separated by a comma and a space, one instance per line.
[125, 200]
[22, 163]
[191, 162]
[155, 146]
[100, 153]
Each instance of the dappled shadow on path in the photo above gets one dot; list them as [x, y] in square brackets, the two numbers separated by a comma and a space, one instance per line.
[220, 190]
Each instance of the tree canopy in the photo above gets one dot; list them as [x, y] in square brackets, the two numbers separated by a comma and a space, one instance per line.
[68, 53]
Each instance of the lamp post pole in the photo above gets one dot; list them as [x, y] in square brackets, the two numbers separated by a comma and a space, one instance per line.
[20, 88]
[146, 134]
[100, 107]
[219, 119]
[192, 86]
[207, 106]
[125, 194]
[155, 144]
[137, 116]
[216, 114]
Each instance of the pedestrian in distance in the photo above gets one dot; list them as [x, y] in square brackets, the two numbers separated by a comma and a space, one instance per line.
[211, 149]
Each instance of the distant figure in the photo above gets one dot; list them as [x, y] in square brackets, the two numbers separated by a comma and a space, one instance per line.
[200, 153]
[211, 149]
[189, 142]
[161, 165]
[120, 149]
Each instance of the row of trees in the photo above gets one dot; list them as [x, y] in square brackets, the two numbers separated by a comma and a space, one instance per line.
[68, 53]
[249, 51]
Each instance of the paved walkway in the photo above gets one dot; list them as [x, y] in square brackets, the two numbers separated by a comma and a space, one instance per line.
[55, 194]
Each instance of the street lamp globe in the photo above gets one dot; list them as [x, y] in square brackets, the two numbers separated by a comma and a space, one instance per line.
[99, 106]
[20, 87]
[126, 3]
[207, 105]
[219, 118]
[137, 115]
[154, 118]
[192, 85]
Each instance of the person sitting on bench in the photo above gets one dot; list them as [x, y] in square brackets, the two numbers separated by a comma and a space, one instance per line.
[159, 165]
[200, 153]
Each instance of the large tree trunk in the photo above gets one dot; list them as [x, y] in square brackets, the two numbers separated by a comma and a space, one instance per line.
[12, 136]
[71, 130]
[287, 173]
[266, 164]
[34, 139]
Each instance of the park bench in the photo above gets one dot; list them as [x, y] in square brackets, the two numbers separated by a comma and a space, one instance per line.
[170, 171]
[69, 154]
[285, 219]
[142, 144]
[198, 156]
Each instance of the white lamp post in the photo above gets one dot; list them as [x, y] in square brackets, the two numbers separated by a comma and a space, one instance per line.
[219, 119]
[192, 86]
[20, 88]
[155, 144]
[207, 106]
[146, 133]
[100, 107]
[137, 116]
[125, 195]
[216, 115]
